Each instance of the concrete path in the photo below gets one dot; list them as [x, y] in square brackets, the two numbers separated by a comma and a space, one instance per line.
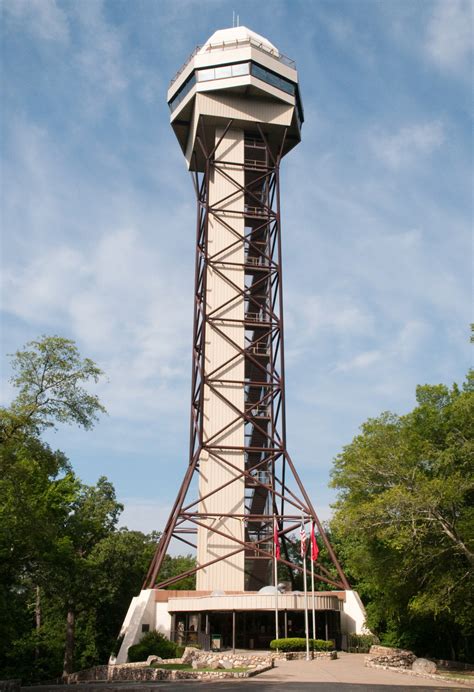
[346, 674]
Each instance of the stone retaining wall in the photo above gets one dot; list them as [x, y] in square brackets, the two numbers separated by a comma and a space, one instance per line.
[301, 655]
[140, 674]
[222, 662]
[388, 656]
[415, 674]
[206, 659]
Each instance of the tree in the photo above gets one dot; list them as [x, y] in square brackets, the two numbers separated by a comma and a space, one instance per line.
[93, 515]
[49, 374]
[405, 519]
[40, 498]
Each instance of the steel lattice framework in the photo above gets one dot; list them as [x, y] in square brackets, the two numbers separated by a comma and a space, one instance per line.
[273, 487]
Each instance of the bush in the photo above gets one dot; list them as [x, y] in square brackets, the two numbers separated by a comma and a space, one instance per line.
[299, 644]
[152, 644]
[361, 643]
[321, 645]
[289, 644]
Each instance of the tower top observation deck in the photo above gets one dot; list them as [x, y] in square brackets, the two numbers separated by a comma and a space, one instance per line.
[241, 76]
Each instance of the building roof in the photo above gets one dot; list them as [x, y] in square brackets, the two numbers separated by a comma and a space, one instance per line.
[238, 33]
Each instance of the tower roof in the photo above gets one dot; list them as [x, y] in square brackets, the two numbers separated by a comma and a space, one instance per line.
[236, 34]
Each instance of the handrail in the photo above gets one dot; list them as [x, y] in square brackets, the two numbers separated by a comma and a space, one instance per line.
[237, 43]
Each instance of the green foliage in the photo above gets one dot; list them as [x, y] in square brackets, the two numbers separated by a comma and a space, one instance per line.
[405, 522]
[299, 644]
[289, 644]
[361, 643]
[321, 645]
[172, 566]
[49, 374]
[152, 644]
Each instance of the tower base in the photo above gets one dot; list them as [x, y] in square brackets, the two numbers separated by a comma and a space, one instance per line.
[242, 620]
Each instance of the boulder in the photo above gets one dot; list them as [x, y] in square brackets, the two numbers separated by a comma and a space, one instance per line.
[195, 664]
[228, 665]
[189, 654]
[215, 665]
[423, 665]
[153, 659]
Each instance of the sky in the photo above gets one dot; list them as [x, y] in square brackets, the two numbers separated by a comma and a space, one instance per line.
[98, 218]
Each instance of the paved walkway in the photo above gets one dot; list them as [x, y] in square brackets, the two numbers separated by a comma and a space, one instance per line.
[346, 674]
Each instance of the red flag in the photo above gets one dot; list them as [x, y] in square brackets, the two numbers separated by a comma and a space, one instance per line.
[303, 539]
[314, 544]
[275, 538]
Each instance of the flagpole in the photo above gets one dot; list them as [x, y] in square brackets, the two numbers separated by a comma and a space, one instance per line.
[306, 625]
[312, 588]
[275, 572]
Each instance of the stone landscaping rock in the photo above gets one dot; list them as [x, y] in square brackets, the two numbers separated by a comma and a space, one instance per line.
[189, 654]
[388, 656]
[153, 659]
[215, 665]
[423, 665]
[226, 664]
[195, 665]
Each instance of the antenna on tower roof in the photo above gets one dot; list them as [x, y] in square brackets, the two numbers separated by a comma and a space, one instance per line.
[233, 19]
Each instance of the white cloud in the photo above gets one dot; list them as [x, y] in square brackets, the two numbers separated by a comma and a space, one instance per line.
[101, 57]
[448, 42]
[404, 346]
[42, 18]
[360, 361]
[122, 307]
[406, 146]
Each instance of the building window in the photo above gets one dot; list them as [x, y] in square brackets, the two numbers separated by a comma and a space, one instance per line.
[145, 628]
[223, 72]
[272, 79]
[183, 92]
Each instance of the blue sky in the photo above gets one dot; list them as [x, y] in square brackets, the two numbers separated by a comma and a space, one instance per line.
[98, 217]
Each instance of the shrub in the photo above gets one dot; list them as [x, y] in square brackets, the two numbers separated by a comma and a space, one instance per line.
[152, 644]
[321, 645]
[289, 644]
[299, 644]
[361, 643]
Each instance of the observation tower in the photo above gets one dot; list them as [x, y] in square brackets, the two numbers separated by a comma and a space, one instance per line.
[236, 111]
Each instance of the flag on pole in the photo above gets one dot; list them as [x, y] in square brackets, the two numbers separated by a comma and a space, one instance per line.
[314, 544]
[275, 539]
[303, 539]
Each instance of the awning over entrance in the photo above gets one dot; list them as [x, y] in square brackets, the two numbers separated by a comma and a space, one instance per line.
[252, 602]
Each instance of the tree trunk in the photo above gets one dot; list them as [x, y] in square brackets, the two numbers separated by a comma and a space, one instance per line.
[38, 621]
[70, 642]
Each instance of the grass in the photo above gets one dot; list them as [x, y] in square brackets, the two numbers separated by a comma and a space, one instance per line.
[461, 674]
[188, 666]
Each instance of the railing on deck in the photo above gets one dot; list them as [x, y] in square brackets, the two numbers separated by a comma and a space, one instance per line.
[237, 43]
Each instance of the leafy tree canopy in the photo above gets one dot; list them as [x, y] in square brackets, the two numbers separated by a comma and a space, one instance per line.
[405, 520]
[49, 375]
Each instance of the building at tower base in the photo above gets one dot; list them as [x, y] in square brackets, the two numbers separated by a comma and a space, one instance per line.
[236, 111]
[238, 620]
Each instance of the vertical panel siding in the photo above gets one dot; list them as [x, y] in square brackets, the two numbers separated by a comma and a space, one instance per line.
[228, 574]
